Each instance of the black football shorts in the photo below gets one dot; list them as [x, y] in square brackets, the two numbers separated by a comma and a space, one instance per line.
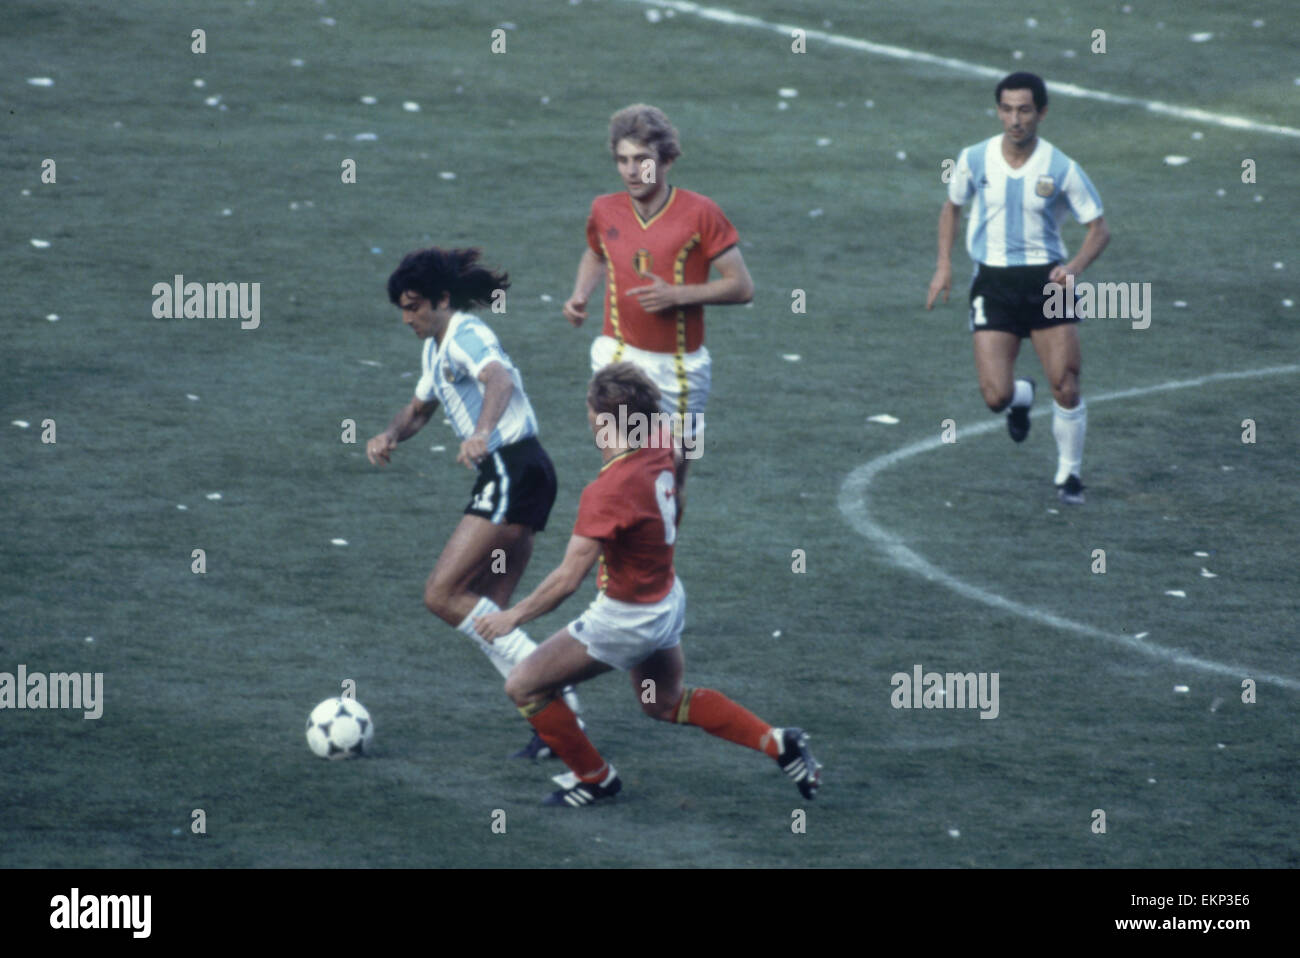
[1010, 299]
[515, 486]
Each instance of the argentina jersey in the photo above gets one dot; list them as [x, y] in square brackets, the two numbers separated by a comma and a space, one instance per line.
[1017, 213]
[450, 375]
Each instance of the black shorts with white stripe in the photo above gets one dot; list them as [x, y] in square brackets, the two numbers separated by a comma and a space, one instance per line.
[515, 486]
[1010, 299]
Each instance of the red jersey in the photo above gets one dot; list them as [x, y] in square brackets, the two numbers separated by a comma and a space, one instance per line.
[677, 244]
[631, 507]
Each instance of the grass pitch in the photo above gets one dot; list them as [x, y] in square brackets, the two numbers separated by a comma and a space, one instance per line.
[209, 678]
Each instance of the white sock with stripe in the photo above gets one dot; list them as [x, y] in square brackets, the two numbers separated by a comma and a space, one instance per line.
[1069, 427]
[1023, 395]
[504, 652]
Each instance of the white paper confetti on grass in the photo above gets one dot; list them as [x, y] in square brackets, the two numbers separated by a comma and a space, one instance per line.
[90, 638]
[328, 21]
[1176, 593]
[214, 496]
[53, 317]
[791, 357]
[1277, 265]
[901, 154]
[782, 105]
[1288, 303]
[200, 83]
[226, 211]
[1141, 635]
[40, 81]
[21, 423]
[545, 298]
[182, 507]
[410, 106]
[883, 417]
[1201, 37]
[369, 100]
[368, 362]
[1207, 574]
[437, 448]
[41, 244]
[339, 542]
[1181, 688]
[1180, 304]
[1202, 555]
[191, 397]
[823, 141]
[447, 175]
[776, 633]
[212, 100]
[654, 16]
[816, 213]
[787, 92]
[1174, 160]
[954, 833]
[296, 62]
[362, 137]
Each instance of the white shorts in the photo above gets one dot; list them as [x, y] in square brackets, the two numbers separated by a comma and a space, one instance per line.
[624, 634]
[687, 386]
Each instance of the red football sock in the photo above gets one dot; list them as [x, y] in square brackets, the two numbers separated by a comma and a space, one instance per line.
[718, 715]
[558, 727]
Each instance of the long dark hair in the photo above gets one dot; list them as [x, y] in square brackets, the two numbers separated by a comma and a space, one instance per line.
[432, 272]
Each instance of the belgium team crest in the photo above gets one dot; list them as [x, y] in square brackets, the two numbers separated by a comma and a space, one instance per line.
[643, 262]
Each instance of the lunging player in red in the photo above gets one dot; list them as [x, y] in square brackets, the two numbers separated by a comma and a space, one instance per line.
[627, 518]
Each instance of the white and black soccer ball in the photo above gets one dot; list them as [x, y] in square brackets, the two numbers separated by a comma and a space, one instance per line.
[340, 728]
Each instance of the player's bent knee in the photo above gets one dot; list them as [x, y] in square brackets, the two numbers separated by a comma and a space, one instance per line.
[996, 400]
[438, 600]
[1066, 395]
[517, 689]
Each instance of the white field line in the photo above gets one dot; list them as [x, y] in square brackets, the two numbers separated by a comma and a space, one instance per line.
[731, 18]
[854, 503]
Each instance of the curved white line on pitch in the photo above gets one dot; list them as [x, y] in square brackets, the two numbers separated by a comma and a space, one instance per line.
[853, 504]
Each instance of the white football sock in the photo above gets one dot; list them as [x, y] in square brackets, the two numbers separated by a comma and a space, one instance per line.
[1069, 427]
[503, 652]
[1024, 394]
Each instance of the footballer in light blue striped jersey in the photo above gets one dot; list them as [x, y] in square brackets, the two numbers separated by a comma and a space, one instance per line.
[1020, 188]
[466, 370]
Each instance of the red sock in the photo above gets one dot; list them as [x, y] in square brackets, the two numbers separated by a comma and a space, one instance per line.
[718, 715]
[558, 727]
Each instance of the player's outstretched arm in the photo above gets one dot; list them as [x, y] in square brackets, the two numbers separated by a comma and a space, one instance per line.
[497, 389]
[941, 282]
[409, 420]
[590, 270]
[1094, 242]
[580, 556]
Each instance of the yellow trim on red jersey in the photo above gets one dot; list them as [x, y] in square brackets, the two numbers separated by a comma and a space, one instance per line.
[646, 224]
[679, 360]
[613, 301]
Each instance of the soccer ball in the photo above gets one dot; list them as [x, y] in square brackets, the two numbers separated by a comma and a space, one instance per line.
[340, 728]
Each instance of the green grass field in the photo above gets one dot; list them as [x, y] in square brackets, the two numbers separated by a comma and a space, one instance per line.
[208, 679]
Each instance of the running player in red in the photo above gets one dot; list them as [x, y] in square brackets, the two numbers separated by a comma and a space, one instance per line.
[654, 245]
[627, 518]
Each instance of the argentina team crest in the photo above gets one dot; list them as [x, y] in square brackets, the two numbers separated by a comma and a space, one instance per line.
[643, 262]
[1045, 186]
